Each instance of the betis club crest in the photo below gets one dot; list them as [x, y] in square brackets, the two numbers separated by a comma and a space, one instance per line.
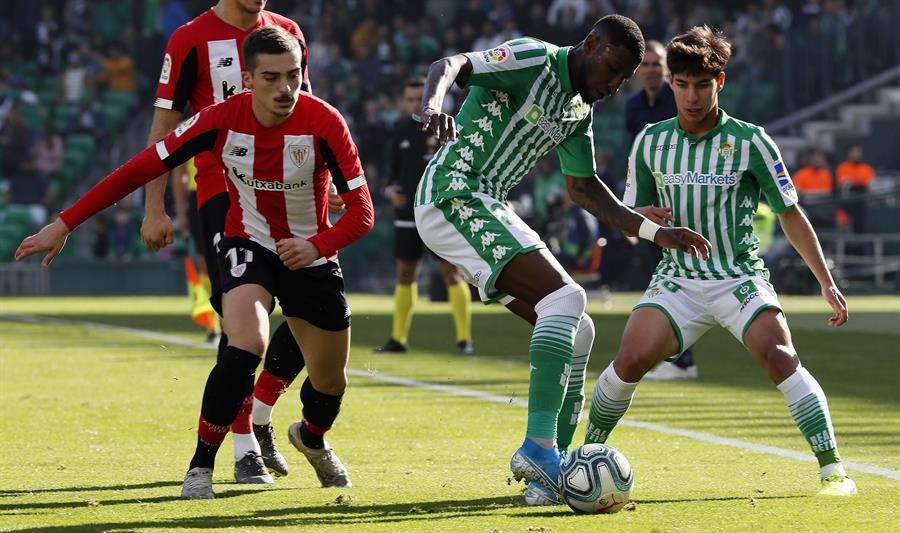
[299, 154]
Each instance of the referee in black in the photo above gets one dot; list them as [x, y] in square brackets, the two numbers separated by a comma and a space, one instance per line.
[410, 151]
[655, 103]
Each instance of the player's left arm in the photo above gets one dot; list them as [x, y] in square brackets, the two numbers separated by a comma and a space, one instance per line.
[770, 172]
[342, 158]
[803, 238]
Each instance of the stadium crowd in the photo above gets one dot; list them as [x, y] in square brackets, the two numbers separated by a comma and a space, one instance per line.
[72, 72]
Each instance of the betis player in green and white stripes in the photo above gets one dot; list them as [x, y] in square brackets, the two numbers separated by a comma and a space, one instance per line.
[526, 98]
[706, 170]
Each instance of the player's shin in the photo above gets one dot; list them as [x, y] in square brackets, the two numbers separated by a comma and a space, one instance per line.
[222, 398]
[283, 364]
[319, 412]
[809, 408]
[610, 400]
[573, 402]
[552, 342]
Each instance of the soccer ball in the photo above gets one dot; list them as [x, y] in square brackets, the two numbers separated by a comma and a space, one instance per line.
[596, 478]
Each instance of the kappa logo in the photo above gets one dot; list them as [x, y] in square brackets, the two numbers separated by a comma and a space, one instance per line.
[299, 154]
[166, 70]
[495, 55]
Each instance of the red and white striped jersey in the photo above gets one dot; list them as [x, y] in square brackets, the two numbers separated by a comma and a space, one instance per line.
[277, 177]
[202, 66]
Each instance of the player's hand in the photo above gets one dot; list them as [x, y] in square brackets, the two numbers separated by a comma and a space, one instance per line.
[684, 239]
[440, 124]
[397, 198]
[157, 230]
[657, 215]
[50, 239]
[837, 302]
[335, 202]
[296, 253]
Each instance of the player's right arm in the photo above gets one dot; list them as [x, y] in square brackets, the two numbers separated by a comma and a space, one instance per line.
[441, 76]
[197, 134]
[176, 83]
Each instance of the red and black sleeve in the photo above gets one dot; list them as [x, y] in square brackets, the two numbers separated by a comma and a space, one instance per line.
[342, 159]
[179, 72]
[193, 136]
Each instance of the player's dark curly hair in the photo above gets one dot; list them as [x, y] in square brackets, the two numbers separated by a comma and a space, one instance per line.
[619, 30]
[268, 40]
[698, 51]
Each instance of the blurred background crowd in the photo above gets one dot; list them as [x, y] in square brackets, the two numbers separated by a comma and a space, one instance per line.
[77, 80]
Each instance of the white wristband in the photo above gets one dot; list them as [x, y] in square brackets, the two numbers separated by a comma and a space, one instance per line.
[648, 230]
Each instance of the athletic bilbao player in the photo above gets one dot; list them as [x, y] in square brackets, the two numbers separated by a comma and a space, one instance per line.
[277, 144]
[202, 66]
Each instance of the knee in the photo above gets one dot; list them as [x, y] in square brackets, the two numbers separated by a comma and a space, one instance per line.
[632, 363]
[332, 385]
[781, 361]
[569, 300]
[254, 344]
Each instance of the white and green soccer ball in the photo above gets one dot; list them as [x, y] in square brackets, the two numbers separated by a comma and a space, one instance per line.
[596, 478]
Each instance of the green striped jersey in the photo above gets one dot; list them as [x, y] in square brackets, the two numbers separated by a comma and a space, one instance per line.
[712, 183]
[521, 105]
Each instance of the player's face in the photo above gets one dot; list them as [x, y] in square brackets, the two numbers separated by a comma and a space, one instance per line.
[275, 82]
[653, 70]
[250, 6]
[697, 97]
[605, 69]
[412, 99]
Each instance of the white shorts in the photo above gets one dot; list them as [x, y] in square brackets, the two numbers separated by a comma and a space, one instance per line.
[694, 306]
[479, 235]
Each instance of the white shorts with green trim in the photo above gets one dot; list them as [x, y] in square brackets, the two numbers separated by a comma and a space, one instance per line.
[479, 235]
[694, 306]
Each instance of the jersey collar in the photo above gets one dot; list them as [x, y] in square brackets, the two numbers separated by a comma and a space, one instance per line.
[562, 59]
[723, 120]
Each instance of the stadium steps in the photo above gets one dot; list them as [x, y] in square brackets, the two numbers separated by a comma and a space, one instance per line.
[852, 120]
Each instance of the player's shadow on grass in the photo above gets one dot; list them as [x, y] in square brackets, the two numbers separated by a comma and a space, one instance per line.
[153, 485]
[104, 502]
[559, 510]
[318, 515]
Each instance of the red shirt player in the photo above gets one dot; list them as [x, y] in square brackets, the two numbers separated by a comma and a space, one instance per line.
[202, 66]
[278, 145]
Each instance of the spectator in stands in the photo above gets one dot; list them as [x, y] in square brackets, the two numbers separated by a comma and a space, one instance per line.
[548, 189]
[118, 70]
[89, 118]
[49, 43]
[814, 179]
[75, 79]
[15, 140]
[47, 151]
[489, 38]
[30, 190]
[855, 176]
[655, 101]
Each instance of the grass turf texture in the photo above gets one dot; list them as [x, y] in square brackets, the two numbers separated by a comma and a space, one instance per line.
[99, 428]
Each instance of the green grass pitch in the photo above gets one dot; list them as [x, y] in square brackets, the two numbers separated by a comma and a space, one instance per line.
[99, 425]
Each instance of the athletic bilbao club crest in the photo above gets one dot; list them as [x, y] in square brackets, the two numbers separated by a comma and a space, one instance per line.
[238, 270]
[299, 154]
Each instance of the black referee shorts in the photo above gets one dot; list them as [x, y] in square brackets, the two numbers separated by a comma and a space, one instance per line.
[408, 245]
[315, 294]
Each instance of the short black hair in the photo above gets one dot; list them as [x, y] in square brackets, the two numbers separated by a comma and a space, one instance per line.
[268, 40]
[619, 30]
[700, 50]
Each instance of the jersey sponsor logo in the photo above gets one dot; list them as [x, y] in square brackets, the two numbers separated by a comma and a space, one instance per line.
[186, 125]
[745, 293]
[262, 185]
[495, 55]
[726, 151]
[664, 147]
[238, 151]
[537, 117]
[299, 154]
[166, 70]
[695, 178]
[228, 90]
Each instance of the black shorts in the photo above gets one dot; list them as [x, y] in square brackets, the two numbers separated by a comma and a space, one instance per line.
[211, 222]
[408, 245]
[315, 294]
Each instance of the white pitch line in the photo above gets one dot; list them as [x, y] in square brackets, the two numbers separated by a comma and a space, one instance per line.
[468, 393]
